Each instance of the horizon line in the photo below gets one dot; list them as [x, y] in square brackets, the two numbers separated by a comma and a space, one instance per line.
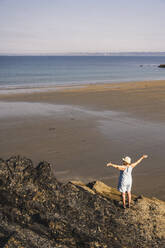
[83, 53]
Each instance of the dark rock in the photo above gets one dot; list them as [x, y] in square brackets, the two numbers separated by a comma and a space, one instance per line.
[162, 66]
[38, 211]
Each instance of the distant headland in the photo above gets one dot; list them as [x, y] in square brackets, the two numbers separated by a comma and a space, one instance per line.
[47, 53]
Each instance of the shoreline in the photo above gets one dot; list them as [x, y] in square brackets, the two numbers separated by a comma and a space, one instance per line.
[78, 130]
[78, 86]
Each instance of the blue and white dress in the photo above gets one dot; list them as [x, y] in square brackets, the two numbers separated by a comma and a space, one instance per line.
[125, 180]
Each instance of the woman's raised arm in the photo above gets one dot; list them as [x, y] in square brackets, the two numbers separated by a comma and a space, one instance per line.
[139, 160]
[119, 167]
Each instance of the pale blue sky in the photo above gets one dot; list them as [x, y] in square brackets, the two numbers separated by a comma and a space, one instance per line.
[52, 26]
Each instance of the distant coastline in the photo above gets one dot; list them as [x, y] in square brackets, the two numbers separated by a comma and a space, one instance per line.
[84, 54]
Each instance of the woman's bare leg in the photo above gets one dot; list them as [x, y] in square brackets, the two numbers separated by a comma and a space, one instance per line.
[123, 196]
[129, 199]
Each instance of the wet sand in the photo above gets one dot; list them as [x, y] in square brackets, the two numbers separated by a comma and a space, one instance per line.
[80, 129]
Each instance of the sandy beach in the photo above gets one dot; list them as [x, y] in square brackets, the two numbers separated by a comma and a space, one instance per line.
[80, 129]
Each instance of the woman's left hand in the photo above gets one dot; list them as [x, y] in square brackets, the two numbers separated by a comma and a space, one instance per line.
[145, 156]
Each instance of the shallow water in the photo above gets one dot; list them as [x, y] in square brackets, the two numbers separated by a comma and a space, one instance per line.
[20, 109]
[120, 128]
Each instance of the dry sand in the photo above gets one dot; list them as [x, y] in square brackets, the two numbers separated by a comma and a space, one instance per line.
[80, 129]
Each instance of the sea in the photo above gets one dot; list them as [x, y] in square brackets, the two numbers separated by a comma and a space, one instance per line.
[19, 72]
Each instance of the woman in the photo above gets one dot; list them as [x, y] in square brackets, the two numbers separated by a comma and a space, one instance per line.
[125, 178]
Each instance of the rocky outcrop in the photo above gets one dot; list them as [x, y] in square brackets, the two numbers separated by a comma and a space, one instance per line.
[36, 210]
[162, 66]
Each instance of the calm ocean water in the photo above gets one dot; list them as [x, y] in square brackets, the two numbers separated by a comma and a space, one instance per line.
[44, 71]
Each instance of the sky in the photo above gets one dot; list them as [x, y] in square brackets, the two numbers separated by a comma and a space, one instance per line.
[75, 26]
